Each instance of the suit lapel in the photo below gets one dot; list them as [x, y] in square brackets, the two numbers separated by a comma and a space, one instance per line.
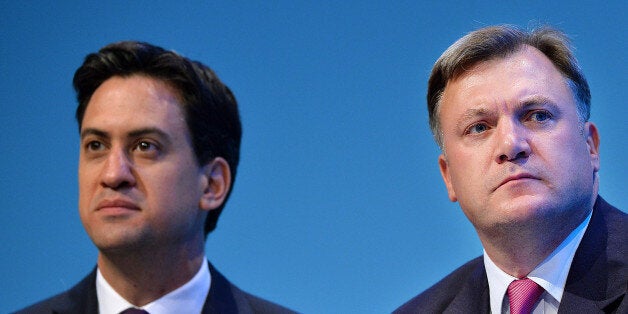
[574, 303]
[587, 289]
[220, 298]
[80, 299]
[474, 295]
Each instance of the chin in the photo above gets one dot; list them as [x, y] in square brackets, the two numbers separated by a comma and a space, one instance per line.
[116, 241]
[522, 209]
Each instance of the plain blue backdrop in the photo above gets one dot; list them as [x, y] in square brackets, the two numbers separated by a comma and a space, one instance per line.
[338, 206]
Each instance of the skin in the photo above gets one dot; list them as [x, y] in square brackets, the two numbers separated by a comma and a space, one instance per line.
[143, 196]
[516, 157]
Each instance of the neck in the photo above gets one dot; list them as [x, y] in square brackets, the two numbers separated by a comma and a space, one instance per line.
[145, 275]
[519, 256]
[518, 249]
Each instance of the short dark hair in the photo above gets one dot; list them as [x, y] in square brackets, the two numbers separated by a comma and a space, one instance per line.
[499, 42]
[209, 107]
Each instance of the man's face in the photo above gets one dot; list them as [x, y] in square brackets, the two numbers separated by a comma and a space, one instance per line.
[139, 181]
[514, 149]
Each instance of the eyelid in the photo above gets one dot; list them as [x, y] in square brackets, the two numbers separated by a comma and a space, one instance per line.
[88, 141]
[468, 129]
[143, 140]
[533, 112]
[155, 146]
[474, 116]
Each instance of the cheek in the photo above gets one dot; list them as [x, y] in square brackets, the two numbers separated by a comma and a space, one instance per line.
[466, 181]
[467, 164]
[463, 178]
[173, 187]
[86, 183]
[566, 151]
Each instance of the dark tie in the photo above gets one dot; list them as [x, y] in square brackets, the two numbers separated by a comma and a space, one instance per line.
[132, 310]
[522, 295]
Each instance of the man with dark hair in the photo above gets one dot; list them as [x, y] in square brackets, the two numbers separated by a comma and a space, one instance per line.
[160, 139]
[510, 112]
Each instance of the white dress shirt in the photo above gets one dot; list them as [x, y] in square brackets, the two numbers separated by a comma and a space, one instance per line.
[189, 297]
[551, 274]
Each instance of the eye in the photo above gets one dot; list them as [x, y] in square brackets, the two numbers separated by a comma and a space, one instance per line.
[94, 146]
[540, 116]
[476, 128]
[146, 149]
[145, 146]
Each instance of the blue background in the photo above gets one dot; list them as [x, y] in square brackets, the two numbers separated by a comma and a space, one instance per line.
[338, 206]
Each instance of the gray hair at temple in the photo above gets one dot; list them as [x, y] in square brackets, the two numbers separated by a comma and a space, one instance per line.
[498, 42]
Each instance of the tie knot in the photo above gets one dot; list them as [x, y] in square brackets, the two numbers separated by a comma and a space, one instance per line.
[522, 295]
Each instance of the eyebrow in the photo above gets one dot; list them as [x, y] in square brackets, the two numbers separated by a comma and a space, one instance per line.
[535, 100]
[474, 112]
[148, 131]
[133, 134]
[93, 131]
[471, 114]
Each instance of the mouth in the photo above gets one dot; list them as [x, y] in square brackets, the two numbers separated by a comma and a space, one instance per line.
[516, 178]
[116, 206]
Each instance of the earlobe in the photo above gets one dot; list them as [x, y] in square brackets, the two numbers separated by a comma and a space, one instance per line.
[444, 171]
[217, 182]
[593, 144]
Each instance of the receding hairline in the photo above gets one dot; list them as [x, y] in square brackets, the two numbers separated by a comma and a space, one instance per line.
[500, 42]
[463, 70]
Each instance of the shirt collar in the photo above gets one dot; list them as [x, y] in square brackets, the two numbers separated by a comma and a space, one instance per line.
[191, 296]
[551, 273]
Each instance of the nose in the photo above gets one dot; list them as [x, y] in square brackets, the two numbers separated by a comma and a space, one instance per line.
[512, 142]
[117, 171]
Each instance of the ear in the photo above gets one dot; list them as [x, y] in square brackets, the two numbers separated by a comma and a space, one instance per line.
[444, 171]
[593, 143]
[216, 184]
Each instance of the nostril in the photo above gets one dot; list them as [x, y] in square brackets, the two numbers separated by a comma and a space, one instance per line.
[519, 155]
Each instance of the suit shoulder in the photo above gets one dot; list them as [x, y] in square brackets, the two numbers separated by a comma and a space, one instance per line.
[46, 305]
[614, 257]
[438, 297]
[616, 219]
[261, 306]
[225, 297]
[79, 299]
[606, 236]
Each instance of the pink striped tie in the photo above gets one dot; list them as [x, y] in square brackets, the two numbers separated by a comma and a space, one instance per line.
[523, 294]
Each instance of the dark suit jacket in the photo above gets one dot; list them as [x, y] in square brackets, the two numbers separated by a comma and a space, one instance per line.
[223, 297]
[596, 283]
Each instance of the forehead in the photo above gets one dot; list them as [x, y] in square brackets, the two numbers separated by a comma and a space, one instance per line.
[506, 81]
[134, 101]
